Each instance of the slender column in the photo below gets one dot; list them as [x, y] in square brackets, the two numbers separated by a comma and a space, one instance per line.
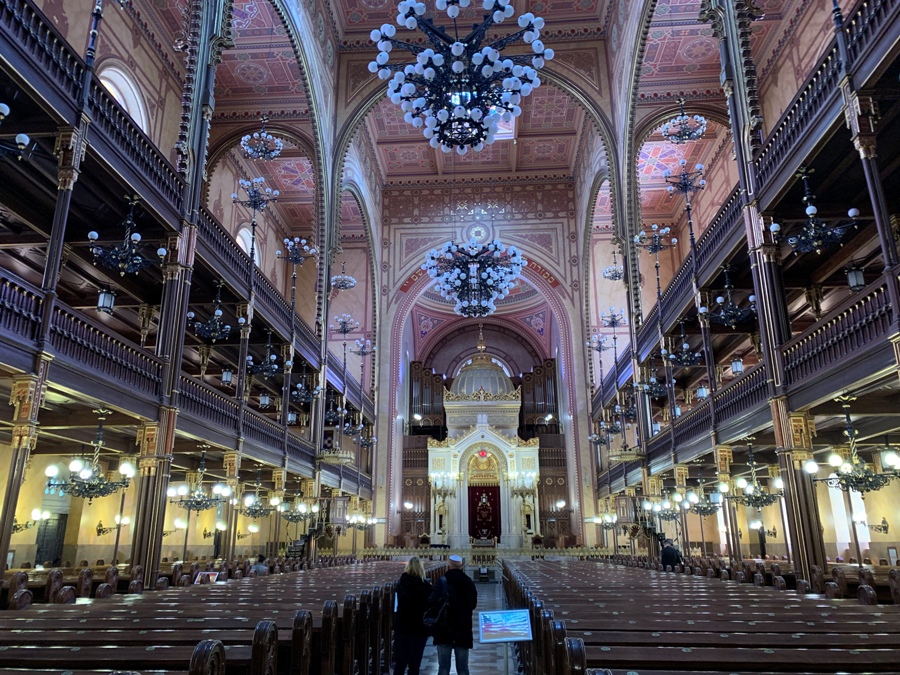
[793, 439]
[155, 441]
[27, 395]
[724, 456]
[232, 463]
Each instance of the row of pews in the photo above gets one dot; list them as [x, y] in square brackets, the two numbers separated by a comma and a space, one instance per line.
[603, 618]
[871, 585]
[328, 621]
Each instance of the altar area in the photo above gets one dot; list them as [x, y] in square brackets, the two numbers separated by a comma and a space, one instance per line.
[483, 477]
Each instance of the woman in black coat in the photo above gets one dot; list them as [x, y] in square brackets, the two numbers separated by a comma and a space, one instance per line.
[410, 634]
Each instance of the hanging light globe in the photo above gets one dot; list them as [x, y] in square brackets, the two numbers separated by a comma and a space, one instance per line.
[458, 90]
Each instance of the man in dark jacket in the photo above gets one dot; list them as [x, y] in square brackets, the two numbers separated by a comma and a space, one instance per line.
[455, 635]
[669, 555]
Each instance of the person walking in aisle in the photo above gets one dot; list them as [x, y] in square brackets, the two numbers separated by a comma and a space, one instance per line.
[410, 634]
[454, 636]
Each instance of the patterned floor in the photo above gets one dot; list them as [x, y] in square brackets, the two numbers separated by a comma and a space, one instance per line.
[483, 659]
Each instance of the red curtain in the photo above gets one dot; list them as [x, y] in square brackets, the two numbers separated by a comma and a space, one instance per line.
[484, 511]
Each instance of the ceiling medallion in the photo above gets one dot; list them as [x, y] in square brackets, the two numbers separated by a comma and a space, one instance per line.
[474, 276]
[458, 90]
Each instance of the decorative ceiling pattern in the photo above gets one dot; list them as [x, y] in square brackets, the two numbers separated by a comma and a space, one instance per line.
[602, 220]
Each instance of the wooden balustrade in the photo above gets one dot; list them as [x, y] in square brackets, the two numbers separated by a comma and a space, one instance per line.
[20, 306]
[860, 320]
[134, 146]
[230, 256]
[272, 302]
[799, 117]
[866, 23]
[208, 403]
[47, 49]
[694, 423]
[91, 346]
[724, 224]
[263, 430]
[742, 394]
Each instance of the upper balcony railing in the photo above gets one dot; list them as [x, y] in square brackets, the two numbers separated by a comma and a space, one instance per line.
[20, 306]
[208, 404]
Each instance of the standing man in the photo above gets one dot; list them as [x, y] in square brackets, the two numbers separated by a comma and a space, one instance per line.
[455, 634]
[669, 556]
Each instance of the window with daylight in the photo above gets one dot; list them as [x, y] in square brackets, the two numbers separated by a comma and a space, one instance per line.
[245, 241]
[843, 523]
[123, 88]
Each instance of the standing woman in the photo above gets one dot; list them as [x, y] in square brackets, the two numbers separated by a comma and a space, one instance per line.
[413, 590]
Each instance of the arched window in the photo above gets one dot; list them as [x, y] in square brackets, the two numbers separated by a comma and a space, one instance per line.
[245, 241]
[123, 88]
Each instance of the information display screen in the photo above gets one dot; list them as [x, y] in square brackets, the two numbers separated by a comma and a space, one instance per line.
[513, 625]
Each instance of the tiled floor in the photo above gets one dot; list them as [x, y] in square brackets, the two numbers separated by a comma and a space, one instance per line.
[483, 659]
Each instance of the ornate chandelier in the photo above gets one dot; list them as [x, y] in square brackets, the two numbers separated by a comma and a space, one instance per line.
[342, 281]
[614, 272]
[194, 496]
[458, 90]
[816, 235]
[653, 387]
[298, 511]
[684, 357]
[754, 494]
[614, 318]
[667, 510]
[474, 276]
[302, 392]
[684, 128]
[337, 455]
[268, 368]
[700, 503]
[297, 251]
[729, 313]
[87, 480]
[852, 473]
[126, 256]
[261, 144]
[213, 328]
[253, 506]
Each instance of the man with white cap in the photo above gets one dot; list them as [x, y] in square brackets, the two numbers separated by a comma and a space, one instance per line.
[455, 635]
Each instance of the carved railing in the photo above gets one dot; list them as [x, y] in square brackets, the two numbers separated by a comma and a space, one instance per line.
[857, 322]
[263, 430]
[272, 301]
[744, 393]
[720, 229]
[298, 450]
[208, 403]
[216, 237]
[799, 117]
[28, 28]
[865, 24]
[20, 306]
[660, 444]
[695, 423]
[134, 145]
[620, 455]
[93, 347]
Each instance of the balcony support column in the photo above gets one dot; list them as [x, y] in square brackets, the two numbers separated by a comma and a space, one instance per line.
[27, 395]
[793, 440]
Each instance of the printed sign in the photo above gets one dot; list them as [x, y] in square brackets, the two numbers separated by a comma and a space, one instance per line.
[212, 577]
[513, 625]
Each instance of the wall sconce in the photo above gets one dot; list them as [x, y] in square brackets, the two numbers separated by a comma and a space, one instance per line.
[882, 528]
[106, 530]
[243, 535]
[106, 301]
[291, 417]
[265, 400]
[207, 534]
[36, 516]
[227, 377]
[856, 278]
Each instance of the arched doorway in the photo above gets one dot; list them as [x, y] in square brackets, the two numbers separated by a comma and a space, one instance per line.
[484, 497]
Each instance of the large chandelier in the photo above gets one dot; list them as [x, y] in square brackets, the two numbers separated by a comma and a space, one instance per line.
[268, 368]
[87, 480]
[852, 473]
[473, 275]
[458, 90]
[684, 357]
[194, 496]
[614, 272]
[729, 313]
[253, 506]
[699, 502]
[213, 328]
[125, 257]
[668, 510]
[261, 144]
[299, 510]
[614, 318]
[337, 455]
[684, 128]
[754, 494]
[343, 281]
[303, 392]
[816, 235]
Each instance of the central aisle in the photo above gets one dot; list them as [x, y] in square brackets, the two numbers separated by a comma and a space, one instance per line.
[483, 659]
